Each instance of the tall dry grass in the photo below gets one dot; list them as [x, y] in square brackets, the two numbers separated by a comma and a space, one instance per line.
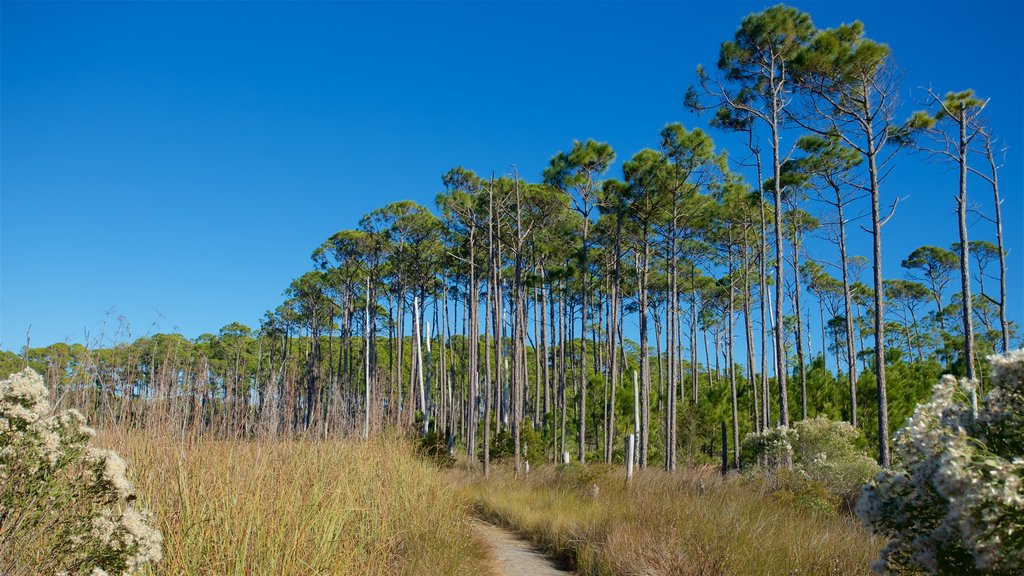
[300, 507]
[687, 523]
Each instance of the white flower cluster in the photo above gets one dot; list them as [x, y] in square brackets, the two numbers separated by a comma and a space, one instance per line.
[772, 448]
[111, 472]
[65, 505]
[22, 401]
[953, 502]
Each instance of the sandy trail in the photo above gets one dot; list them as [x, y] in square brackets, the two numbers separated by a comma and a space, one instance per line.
[516, 556]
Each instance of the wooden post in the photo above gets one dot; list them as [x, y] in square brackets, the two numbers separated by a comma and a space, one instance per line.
[725, 452]
[630, 450]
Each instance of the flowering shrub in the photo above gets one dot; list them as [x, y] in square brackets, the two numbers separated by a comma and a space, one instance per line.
[827, 468]
[953, 502]
[772, 448]
[825, 450]
[65, 507]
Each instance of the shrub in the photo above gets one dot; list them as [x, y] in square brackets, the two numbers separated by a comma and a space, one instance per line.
[65, 507]
[823, 451]
[827, 451]
[435, 447]
[800, 490]
[503, 445]
[772, 448]
[953, 502]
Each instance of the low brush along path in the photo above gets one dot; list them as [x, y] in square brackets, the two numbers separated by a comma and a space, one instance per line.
[516, 556]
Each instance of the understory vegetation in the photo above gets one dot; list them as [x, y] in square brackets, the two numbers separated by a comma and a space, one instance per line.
[66, 507]
[685, 523]
[953, 503]
[302, 506]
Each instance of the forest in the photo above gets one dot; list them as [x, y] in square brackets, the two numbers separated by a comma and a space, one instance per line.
[546, 308]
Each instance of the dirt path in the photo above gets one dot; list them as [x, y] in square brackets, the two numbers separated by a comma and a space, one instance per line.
[516, 557]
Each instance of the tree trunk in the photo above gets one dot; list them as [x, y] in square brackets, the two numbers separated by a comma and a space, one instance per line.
[732, 368]
[965, 258]
[879, 311]
[645, 358]
[780, 346]
[851, 356]
[799, 326]
[997, 201]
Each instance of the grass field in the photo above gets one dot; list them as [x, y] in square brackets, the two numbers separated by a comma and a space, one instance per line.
[336, 507]
[688, 523]
[301, 507]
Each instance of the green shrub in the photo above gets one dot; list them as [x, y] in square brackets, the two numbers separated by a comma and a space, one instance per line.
[827, 451]
[801, 491]
[503, 448]
[823, 451]
[434, 446]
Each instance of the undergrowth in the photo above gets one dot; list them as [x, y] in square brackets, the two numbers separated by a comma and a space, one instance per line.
[301, 507]
[687, 523]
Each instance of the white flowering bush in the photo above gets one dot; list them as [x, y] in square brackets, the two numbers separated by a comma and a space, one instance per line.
[953, 501]
[65, 507]
[826, 451]
[817, 458]
[772, 448]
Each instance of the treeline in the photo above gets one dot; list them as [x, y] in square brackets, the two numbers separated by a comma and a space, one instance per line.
[566, 312]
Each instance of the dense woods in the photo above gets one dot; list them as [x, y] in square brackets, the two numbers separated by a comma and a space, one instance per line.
[533, 316]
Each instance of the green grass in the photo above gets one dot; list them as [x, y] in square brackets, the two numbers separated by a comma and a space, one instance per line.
[688, 523]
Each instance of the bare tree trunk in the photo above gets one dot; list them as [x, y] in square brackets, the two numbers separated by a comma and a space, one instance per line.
[851, 356]
[780, 346]
[418, 335]
[543, 342]
[799, 326]
[582, 430]
[763, 293]
[645, 358]
[473, 328]
[965, 258]
[562, 342]
[670, 349]
[749, 332]
[538, 318]
[366, 359]
[732, 367]
[998, 203]
[879, 312]
[488, 385]
[613, 330]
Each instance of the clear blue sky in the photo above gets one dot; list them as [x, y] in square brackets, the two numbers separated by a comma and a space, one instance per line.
[177, 163]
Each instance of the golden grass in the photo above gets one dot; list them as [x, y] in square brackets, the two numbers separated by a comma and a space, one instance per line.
[687, 523]
[300, 507]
